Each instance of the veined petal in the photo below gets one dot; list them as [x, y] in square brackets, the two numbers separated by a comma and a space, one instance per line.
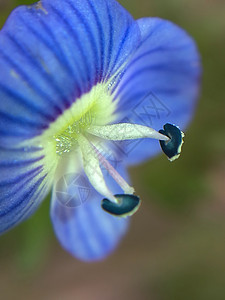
[160, 85]
[80, 224]
[52, 53]
[25, 181]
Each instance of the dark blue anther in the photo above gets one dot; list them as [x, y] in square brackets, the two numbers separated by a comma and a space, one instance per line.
[172, 148]
[127, 205]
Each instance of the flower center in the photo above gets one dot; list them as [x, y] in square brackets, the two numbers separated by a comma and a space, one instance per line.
[84, 124]
[67, 139]
[94, 108]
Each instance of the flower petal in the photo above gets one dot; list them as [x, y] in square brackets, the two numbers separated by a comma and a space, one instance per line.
[160, 85]
[83, 228]
[53, 52]
[25, 181]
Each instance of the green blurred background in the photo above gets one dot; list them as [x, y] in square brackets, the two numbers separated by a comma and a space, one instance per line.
[175, 248]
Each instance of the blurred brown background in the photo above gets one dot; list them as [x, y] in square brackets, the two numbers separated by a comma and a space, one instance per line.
[175, 249]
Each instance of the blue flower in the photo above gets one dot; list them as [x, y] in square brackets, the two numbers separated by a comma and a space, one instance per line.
[77, 79]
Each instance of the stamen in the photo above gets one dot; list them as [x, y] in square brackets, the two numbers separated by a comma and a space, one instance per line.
[172, 148]
[92, 168]
[126, 131]
[115, 175]
[127, 206]
[121, 205]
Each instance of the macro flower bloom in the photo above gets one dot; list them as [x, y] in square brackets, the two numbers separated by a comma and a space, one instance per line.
[75, 77]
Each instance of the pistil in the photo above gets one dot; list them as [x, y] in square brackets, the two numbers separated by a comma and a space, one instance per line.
[115, 175]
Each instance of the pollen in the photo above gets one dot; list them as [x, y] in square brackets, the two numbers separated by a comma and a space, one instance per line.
[94, 108]
[67, 140]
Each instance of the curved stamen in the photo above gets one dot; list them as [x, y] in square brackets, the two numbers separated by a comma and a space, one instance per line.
[122, 205]
[92, 168]
[127, 206]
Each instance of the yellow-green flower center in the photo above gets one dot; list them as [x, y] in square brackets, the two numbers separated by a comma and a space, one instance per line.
[94, 108]
[79, 128]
